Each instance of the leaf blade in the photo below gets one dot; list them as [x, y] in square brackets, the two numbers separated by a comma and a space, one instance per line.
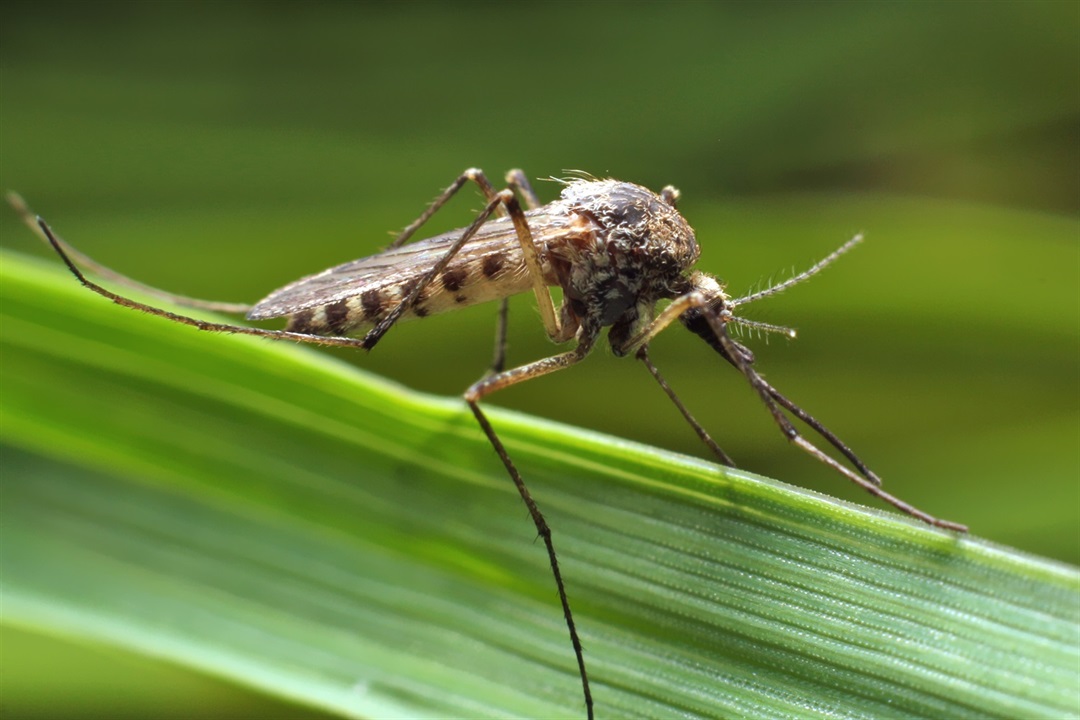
[274, 517]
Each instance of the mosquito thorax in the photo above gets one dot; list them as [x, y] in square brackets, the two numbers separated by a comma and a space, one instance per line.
[630, 248]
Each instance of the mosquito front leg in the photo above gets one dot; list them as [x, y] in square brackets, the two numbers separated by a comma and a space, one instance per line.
[668, 315]
[822, 431]
[494, 383]
[709, 293]
[770, 397]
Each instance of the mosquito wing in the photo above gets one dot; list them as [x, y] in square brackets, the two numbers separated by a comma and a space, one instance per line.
[357, 293]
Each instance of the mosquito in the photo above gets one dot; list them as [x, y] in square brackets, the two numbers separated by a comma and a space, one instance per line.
[615, 249]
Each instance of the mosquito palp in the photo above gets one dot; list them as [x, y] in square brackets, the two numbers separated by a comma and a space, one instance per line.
[764, 326]
[615, 250]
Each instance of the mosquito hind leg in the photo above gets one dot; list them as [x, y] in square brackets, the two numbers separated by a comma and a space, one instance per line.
[184, 319]
[31, 221]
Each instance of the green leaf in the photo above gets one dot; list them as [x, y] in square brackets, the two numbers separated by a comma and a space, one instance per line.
[270, 515]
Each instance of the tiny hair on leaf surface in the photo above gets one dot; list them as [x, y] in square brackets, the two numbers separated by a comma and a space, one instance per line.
[272, 516]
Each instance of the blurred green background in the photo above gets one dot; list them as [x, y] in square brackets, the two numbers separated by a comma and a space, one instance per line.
[221, 149]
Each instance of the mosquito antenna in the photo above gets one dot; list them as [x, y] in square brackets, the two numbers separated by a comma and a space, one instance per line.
[796, 279]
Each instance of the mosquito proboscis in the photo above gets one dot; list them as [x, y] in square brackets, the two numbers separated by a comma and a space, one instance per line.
[616, 250]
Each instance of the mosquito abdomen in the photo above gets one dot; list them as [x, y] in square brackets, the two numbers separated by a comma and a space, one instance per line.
[480, 280]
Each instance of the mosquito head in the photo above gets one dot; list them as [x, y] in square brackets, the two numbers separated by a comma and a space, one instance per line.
[707, 320]
[713, 318]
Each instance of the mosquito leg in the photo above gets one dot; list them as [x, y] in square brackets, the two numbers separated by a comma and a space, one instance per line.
[503, 201]
[498, 360]
[545, 533]
[678, 307]
[725, 459]
[668, 315]
[31, 221]
[822, 431]
[707, 293]
[475, 175]
[813, 422]
[517, 180]
[494, 383]
[500, 381]
[552, 325]
[741, 359]
[184, 319]
[366, 343]
[503, 198]
[766, 392]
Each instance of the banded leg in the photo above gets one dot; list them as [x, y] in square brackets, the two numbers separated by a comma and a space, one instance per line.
[494, 383]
